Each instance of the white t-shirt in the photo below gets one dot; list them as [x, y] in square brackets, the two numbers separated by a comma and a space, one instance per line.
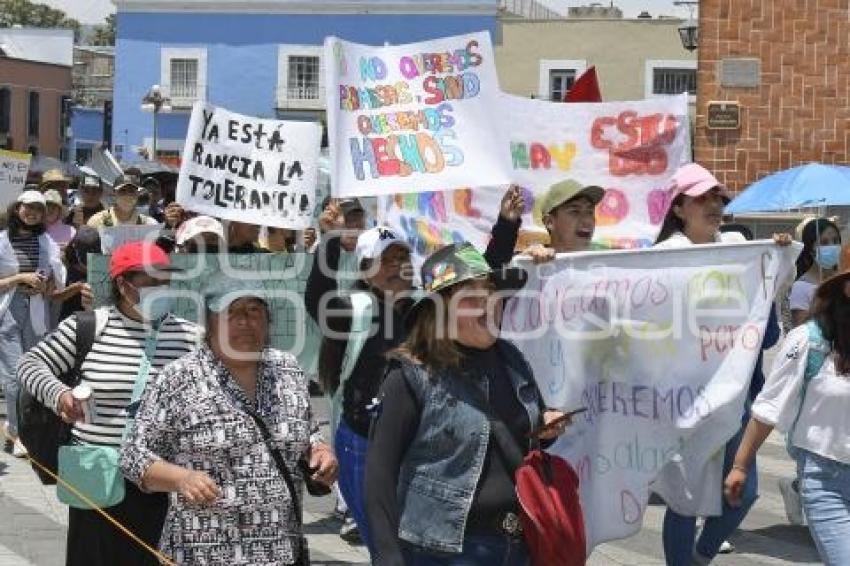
[801, 296]
[824, 425]
[679, 240]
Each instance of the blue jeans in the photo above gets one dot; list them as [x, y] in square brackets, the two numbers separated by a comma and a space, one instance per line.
[679, 531]
[489, 550]
[16, 337]
[351, 452]
[825, 493]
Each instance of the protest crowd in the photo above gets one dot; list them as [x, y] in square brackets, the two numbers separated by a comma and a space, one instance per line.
[195, 441]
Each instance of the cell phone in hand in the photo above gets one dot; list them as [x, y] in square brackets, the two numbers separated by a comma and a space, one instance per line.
[553, 424]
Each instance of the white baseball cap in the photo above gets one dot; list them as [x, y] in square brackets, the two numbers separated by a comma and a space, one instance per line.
[32, 197]
[372, 243]
[198, 225]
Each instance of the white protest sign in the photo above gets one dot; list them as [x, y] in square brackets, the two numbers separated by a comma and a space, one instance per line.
[13, 175]
[631, 149]
[413, 117]
[248, 169]
[660, 346]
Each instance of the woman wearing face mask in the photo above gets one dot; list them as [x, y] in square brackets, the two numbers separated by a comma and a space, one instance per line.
[430, 497]
[816, 263]
[694, 218]
[30, 267]
[123, 210]
[136, 322]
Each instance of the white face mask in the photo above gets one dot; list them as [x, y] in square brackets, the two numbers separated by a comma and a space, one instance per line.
[155, 303]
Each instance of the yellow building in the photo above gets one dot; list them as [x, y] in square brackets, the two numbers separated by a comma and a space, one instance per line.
[634, 58]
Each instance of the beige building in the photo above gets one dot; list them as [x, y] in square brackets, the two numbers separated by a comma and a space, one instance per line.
[634, 58]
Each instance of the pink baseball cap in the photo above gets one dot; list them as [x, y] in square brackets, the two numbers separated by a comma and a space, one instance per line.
[695, 180]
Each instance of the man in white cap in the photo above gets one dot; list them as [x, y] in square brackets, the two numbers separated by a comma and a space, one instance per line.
[201, 234]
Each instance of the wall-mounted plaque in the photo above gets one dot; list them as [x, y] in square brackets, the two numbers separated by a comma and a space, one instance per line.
[723, 115]
[740, 73]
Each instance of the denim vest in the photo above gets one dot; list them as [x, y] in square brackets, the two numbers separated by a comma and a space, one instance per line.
[442, 466]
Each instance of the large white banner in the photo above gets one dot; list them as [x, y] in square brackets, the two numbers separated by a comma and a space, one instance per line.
[413, 117]
[629, 148]
[249, 169]
[660, 347]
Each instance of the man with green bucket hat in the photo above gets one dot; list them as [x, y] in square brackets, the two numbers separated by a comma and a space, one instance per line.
[568, 212]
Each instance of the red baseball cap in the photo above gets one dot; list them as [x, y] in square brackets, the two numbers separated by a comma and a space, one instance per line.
[138, 256]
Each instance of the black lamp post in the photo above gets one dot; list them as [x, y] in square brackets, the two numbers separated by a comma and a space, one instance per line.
[689, 30]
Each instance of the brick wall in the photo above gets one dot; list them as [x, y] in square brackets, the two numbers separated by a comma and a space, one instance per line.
[801, 110]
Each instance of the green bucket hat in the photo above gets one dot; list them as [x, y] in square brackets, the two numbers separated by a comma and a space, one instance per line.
[564, 191]
[458, 263]
[221, 291]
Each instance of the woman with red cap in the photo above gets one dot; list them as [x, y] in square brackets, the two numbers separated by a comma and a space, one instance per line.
[133, 339]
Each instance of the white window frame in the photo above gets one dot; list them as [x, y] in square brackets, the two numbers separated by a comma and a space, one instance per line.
[169, 53]
[548, 65]
[649, 72]
[284, 52]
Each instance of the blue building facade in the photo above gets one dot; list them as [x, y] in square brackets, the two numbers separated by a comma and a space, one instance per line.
[87, 128]
[254, 57]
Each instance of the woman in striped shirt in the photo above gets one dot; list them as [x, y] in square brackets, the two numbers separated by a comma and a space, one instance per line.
[111, 369]
[29, 264]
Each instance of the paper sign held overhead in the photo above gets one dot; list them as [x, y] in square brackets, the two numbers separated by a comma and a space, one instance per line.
[413, 117]
[13, 175]
[248, 169]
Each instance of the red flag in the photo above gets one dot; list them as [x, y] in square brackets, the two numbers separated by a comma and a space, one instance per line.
[585, 89]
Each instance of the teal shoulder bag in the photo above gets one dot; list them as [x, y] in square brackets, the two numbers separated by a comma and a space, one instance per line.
[91, 477]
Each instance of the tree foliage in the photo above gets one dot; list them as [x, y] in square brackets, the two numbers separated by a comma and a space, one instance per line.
[105, 34]
[31, 14]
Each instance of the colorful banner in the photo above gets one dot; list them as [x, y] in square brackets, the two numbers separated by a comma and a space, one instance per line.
[251, 170]
[629, 148]
[13, 175]
[413, 117]
[660, 347]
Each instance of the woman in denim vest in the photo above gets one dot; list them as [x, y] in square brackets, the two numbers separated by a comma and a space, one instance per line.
[438, 489]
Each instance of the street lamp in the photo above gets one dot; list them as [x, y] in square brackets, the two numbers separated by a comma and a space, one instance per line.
[155, 102]
[689, 30]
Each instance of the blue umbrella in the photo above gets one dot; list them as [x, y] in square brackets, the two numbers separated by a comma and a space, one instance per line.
[804, 186]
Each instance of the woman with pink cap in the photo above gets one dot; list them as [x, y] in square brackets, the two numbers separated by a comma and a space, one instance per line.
[694, 218]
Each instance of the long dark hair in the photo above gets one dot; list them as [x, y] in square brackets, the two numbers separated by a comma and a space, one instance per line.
[672, 222]
[832, 313]
[15, 225]
[810, 235]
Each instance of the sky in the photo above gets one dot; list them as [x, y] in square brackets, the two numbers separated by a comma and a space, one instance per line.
[94, 11]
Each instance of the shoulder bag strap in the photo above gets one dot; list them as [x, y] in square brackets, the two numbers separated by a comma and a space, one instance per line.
[279, 462]
[819, 349]
[86, 329]
[141, 378]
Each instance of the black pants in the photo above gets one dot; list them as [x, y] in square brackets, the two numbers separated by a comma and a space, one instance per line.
[94, 541]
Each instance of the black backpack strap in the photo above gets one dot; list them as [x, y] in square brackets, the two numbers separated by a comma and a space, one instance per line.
[302, 557]
[86, 329]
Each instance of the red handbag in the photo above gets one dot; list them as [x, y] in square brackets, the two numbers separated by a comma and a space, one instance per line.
[551, 515]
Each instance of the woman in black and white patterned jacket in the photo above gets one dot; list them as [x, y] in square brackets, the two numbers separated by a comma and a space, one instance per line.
[196, 436]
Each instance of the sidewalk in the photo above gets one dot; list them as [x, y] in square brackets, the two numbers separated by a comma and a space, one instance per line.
[33, 523]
